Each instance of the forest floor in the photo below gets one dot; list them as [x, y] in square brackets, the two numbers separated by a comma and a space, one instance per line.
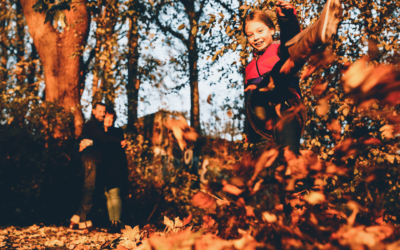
[42, 237]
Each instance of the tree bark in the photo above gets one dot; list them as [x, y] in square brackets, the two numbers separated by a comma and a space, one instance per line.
[96, 94]
[133, 85]
[193, 70]
[56, 51]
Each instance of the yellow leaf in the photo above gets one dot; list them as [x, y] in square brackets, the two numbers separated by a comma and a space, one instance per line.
[182, 26]
[194, 30]
[314, 198]
[390, 158]
[269, 217]
[228, 29]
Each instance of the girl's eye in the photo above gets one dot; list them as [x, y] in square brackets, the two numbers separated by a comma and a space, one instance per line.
[260, 31]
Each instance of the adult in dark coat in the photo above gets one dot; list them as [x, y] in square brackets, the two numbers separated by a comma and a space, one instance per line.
[115, 171]
[94, 140]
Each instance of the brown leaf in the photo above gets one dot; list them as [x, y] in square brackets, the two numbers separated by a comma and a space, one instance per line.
[208, 221]
[372, 141]
[335, 127]
[182, 132]
[387, 131]
[318, 61]
[232, 189]
[323, 106]
[319, 88]
[209, 99]
[202, 200]
[265, 161]
[187, 220]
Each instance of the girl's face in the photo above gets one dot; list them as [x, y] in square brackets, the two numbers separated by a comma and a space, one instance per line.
[108, 120]
[259, 35]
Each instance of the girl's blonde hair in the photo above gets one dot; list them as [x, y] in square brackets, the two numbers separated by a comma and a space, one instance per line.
[258, 16]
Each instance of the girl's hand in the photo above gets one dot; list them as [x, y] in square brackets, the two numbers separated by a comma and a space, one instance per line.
[251, 87]
[283, 7]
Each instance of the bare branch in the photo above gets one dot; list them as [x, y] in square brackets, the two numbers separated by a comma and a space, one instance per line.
[9, 49]
[168, 29]
[226, 7]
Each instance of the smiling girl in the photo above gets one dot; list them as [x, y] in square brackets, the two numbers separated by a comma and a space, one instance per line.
[273, 97]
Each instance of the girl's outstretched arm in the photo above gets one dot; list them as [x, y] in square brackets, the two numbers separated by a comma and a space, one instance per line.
[288, 23]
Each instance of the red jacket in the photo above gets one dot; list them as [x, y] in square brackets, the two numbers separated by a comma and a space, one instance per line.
[265, 62]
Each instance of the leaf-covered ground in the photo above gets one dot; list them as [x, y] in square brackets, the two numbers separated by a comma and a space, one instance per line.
[179, 235]
[36, 237]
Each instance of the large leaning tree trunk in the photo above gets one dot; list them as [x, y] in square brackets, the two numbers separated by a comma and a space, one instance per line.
[60, 55]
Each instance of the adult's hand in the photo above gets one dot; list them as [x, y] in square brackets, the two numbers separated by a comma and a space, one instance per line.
[283, 7]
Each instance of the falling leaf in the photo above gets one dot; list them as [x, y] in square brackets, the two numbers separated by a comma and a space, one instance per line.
[323, 106]
[319, 89]
[270, 218]
[314, 198]
[387, 131]
[335, 128]
[372, 141]
[202, 200]
[232, 189]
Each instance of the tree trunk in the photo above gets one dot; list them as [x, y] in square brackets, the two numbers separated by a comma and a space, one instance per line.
[3, 50]
[96, 94]
[55, 49]
[32, 71]
[193, 71]
[133, 85]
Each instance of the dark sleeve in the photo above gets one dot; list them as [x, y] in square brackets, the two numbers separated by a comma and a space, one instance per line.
[121, 134]
[95, 133]
[290, 27]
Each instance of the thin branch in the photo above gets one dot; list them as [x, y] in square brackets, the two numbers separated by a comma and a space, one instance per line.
[166, 29]
[92, 54]
[9, 49]
[116, 65]
[198, 14]
[226, 7]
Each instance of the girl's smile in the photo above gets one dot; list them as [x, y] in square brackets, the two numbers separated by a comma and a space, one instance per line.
[259, 35]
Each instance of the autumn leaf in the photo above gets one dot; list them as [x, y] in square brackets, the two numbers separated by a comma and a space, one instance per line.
[182, 26]
[202, 200]
[372, 141]
[335, 128]
[232, 189]
[269, 217]
[319, 88]
[194, 30]
[314, 198]
[387, 131]
[187, 220]
[131, 234]
[323, 106]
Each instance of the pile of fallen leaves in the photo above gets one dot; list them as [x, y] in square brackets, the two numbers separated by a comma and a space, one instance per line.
[177, 235]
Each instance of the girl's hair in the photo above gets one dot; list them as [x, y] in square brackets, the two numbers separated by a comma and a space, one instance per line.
[258, 16]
